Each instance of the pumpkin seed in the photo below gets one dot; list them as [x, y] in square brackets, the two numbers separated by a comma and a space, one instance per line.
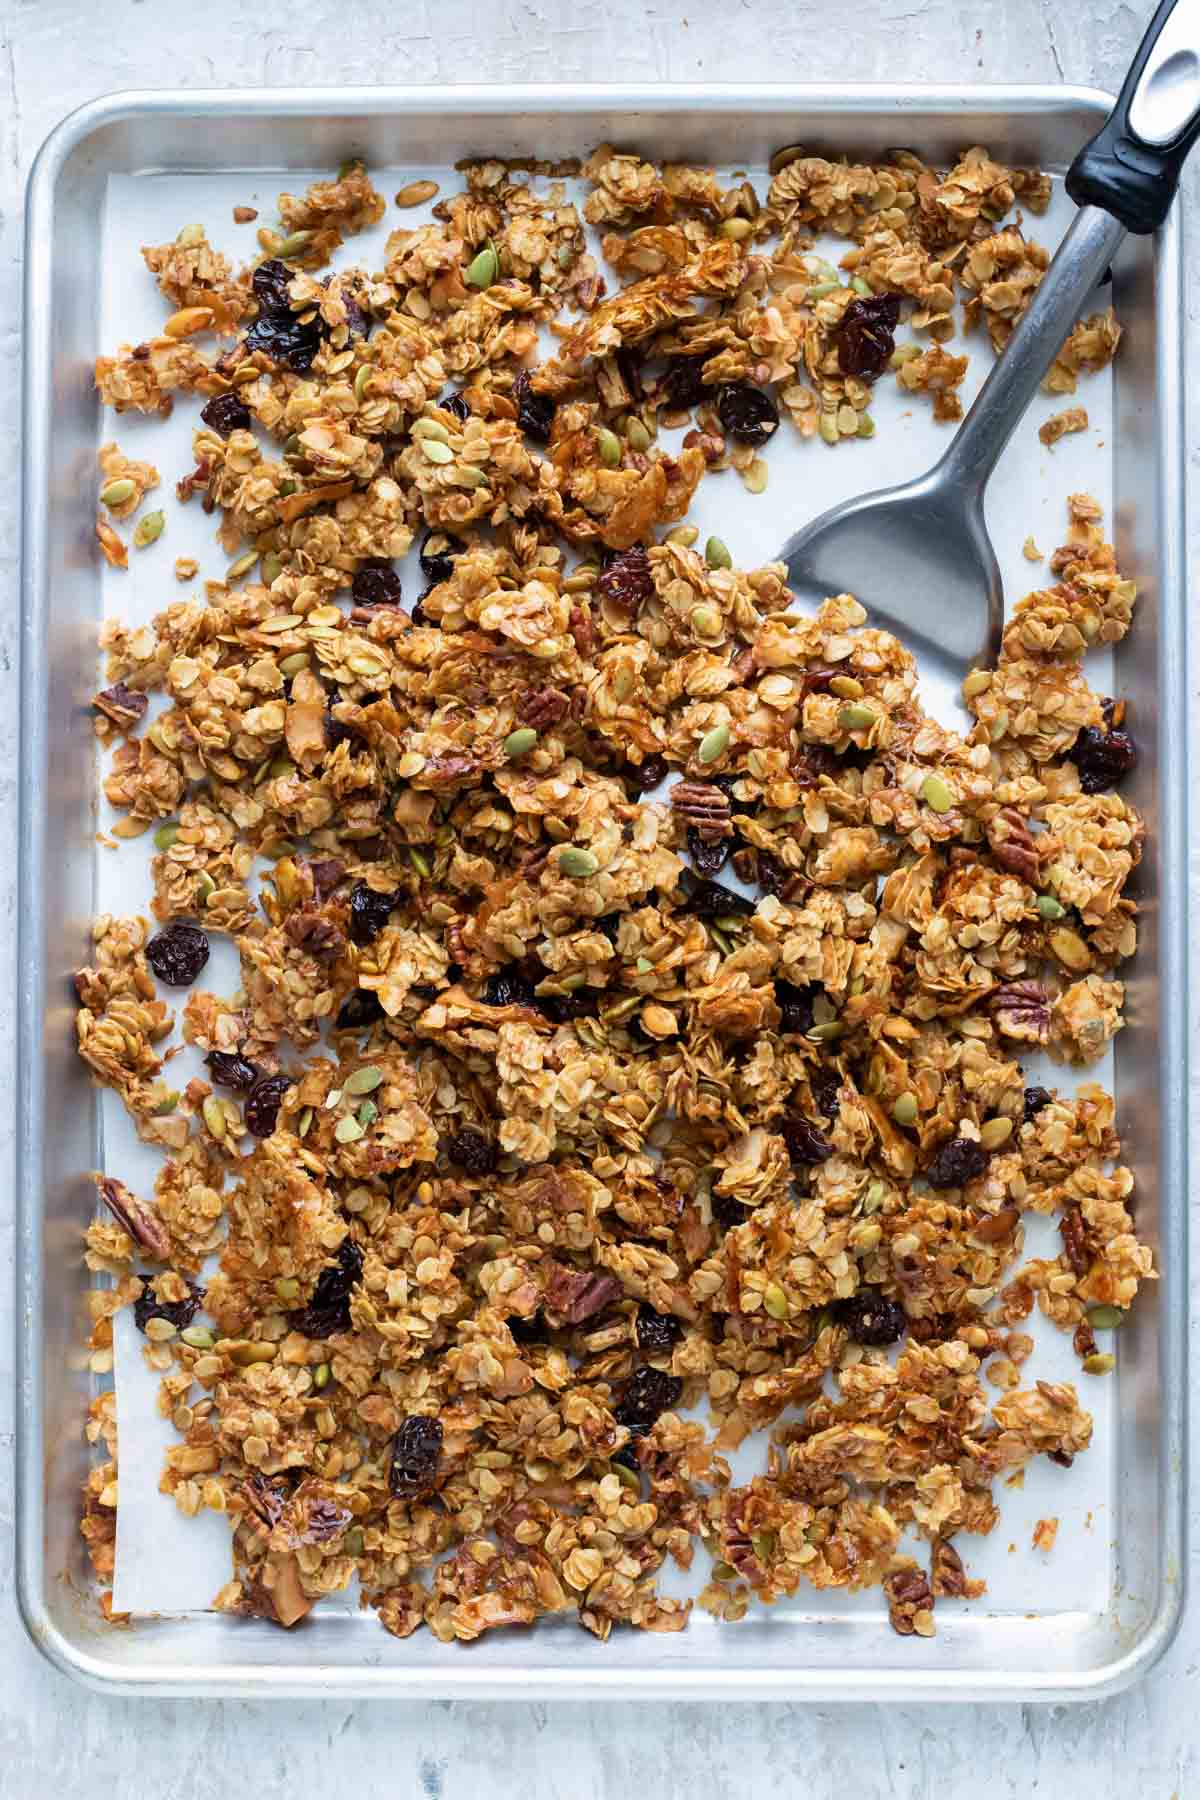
[866, 426]
[287, 1287]
[629, 1478]
[198, 1337]
[1050, 908]
[861, 286]
[354, 1541]
[995, 1132]
[608, 447]
[484, 268]
[683, 534]
[361, 379]
[576, 863]
[822, 1034]
[363, 1081]
[904, 1109]
[1071, 950]
[846, 688]
[775, 1300]
[165, 836]
[293, 244]
[214, 1117]
[856, 718]
[713, 744]
[117, 492]
[1100, 1363]
[789, 154]
[1106, 1318]
[706, 621]
[644, 966]
[292, 665]
[716, 554]
[936, 794]
[416, 193]
[420, 862]
[720, 940]
[736, 229]
[827, 426]
[367, 1113]
[148, 530]
[756, 476]
[348, 1130]
[518, 742]
[241, 565]
[636, 435]
[321, 1375]
[763, 1544]
[436, 452]
[272, 568]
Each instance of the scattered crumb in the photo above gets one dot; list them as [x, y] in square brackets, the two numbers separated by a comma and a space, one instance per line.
[1073, 419]
[186, 568]
[1044, 1534]
[1030, 551]
[244, 215]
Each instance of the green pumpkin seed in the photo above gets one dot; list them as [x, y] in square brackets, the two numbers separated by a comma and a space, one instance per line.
[321, 1375]
[763, 1544]
[149, 529]
[685, 535]
[775, 1300]
[164, 1107]
[1099, 1364]
[936, 794]
[636, 435]
[367, 1113]
[716, 554]
[644, 965]
[198, 1337]
[363, 1081]
[292, 665]
[484, 268]
[518, 742]
[856, 718]
[354, 1541]
[608, 447]
[214, 1117]
[713, 744]
[361, 379]
[1050, 908]
[866, 426]
[165, 836]
[720, 940]
[272, 568]
[430, 428]
[861, 286]
[576, 863]
[115, 493]
[287, 1288]
[706, 621]
[420, 862]
[846, 687]
[628, 1478]
[435, 452]
[995, 1132]
[904, 1109]
[293, 244]
[241, 565]
[348, 1130]
[821, 289]
[823, 1034]
[1106, 1318]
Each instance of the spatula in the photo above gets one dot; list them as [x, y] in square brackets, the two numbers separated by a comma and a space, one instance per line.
[918, 556]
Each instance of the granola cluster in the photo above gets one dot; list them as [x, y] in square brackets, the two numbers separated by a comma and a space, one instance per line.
[630, 1014]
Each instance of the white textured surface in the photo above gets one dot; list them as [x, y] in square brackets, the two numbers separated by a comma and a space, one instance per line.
[53, 1737]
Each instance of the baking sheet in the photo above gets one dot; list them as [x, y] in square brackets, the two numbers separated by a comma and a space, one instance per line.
[169, 1564]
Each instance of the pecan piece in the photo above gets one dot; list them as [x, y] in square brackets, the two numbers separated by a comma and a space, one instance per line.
[702, 804]
[123, 705]
[543, 707]
[308, 930]
[1074, 1237]
[1013, 844]
[1021, 1010]
[576, 1296]
[910, 1602]
[1084, 1339]
[993, 1228]
[144, 1227]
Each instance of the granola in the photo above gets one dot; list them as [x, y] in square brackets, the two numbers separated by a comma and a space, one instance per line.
[552, 1102]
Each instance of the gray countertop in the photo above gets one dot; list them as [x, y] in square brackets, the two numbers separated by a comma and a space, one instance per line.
[54, 1738]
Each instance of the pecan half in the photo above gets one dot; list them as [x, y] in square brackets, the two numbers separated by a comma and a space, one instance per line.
[543, 707]
[123, 705]
[1074, 1237]
[1013, 844]
[144, 1227]
[945, 1567]
[1021, 1010]
[910, 1603]
[704, 805]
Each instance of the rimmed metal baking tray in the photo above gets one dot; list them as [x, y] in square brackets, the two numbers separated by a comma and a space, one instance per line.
[805, 1651]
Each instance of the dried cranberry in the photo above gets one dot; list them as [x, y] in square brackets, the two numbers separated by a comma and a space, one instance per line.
[648, 1393]
[454, 403]
[956, 1163]
[369, 912]
[826, 1086]
[508, 987]
[285, 340]
[535, 412]
[709, 900]
[226, 413]
[1102, 758]
[263, 1103]
[682, 385]
[376, 583]
[796, 1006]
[179, 1313]
[1036, 1100]
[648, 773]
[437, 564]
[178, 954]
[562, 1008]
[806, 1143]
[328, 1311]
[472, 1151]
[270, 283]
[232, 1071]
[625, 578]
[871, 1318]
[769, 873]
[866, 336]
[527, 1331]
[746, 412]
[708, 856]
[359, 1011]
[656, 1332]
[416, 1453]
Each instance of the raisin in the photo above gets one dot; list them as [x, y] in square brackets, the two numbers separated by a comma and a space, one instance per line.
[178, 954]
[826, 1086]
[728, 1211]
[871, 1318]
[232, 1071]
[369, 912]
[472, 1151]
[437, 564]
[376, 583]
[263, 1103]
[527, 1331]
[796, 1006]
[956, 1163]
[418, 615]
[178, 1312]
[328, 1311]
[747, 413]
[454, 403]
[647, 1394]
[707, 857]
[682, 384]
[285, 340]
[1102, 758]
[866, 336]
[769, 873]
[648, 774]
[709, 900]
[226, 413]
[416, 1453]
[270, 283]
[562, 1008]
[535, 412]
[359, 1011]
[508, 987]
[806, 1144]
[656, 1332]
[625, 578]
[627, 1458]
[1036, 1098]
